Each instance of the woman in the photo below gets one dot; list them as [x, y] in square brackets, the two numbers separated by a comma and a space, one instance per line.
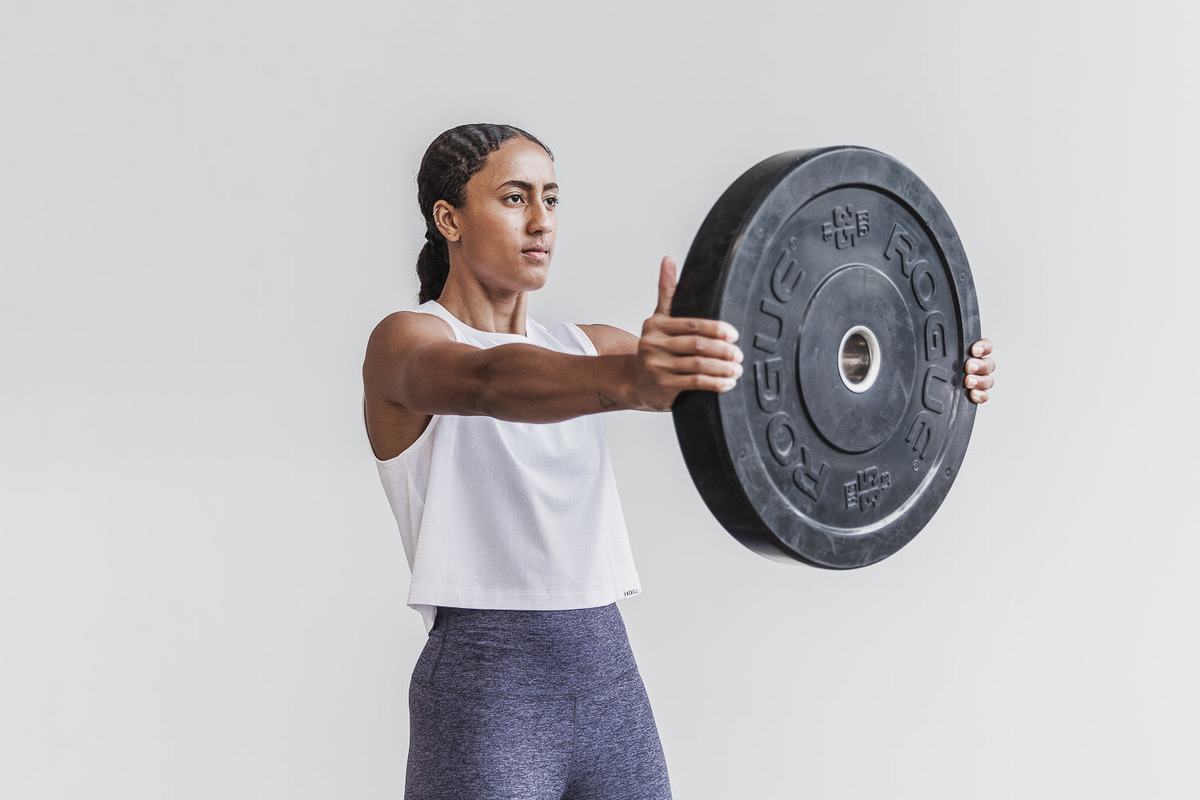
[527, 686]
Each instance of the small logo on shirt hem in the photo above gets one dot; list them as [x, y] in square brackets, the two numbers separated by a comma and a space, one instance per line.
[631, 592]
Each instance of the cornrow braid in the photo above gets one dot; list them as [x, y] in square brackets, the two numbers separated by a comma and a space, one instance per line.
[449, 162]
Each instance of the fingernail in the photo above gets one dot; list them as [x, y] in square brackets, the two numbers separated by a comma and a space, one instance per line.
[972, 366]
[739, 370]
[737, 355]
[731, 333]
[971, 381]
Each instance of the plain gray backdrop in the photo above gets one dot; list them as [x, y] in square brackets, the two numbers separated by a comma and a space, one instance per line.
[206, 207]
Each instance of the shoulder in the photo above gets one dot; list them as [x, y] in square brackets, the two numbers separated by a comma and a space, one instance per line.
[610, 340]
[406, 328]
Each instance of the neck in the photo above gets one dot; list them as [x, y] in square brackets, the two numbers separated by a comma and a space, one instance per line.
[485, 310]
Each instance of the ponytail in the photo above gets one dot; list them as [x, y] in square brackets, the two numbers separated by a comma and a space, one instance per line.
[433, 267]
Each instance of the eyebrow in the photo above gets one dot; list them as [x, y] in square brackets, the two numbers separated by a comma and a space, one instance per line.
[525, 185]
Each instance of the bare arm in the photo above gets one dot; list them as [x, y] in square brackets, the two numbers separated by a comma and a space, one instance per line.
[527, 383]
[646, 372]
[412, 360]
[610, 340]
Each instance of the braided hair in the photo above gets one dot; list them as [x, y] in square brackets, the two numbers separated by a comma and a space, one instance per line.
[449, 162]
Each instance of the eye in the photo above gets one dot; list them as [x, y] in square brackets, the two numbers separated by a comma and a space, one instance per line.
[555, 199]
[511, 196]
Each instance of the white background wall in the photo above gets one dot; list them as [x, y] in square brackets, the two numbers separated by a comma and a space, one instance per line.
[206, 207]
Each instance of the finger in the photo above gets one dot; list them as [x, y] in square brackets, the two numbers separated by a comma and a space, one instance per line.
[978, 396]
[698, 326]
[709, 383]
[700, 365]
[978, 381]
[981, 348]
[980, 366]
[702, 346]
[666, 285]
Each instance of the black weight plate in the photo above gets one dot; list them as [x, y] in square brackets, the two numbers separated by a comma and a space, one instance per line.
[812, 255]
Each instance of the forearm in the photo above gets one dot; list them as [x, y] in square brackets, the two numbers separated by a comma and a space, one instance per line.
[527, 383]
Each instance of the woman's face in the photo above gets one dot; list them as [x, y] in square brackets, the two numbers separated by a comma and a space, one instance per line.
[509, 210]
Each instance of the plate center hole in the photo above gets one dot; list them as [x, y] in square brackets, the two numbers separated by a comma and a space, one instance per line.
[858, 359]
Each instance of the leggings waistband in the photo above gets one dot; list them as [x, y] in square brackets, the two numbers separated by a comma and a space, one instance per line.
[525, 653]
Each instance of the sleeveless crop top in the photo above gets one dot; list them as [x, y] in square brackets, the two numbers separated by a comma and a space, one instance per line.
[512, 515]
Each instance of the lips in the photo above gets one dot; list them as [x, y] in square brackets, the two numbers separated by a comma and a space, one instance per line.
[535, 250]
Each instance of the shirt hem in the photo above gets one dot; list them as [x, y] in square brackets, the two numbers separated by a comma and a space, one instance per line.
[463, 597]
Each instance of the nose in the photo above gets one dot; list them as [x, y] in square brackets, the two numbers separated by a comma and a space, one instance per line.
[540, 219]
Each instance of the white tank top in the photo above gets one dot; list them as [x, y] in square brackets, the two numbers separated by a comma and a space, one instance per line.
[514, 515]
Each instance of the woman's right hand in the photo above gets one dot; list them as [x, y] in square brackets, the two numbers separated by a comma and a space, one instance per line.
[677, 354]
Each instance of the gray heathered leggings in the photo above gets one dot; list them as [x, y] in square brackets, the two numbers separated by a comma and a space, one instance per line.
[531, 705]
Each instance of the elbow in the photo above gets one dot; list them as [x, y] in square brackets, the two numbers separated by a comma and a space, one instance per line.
[481, 395]
[494, 390]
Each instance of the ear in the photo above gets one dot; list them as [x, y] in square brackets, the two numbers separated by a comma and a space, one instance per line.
[446, 219]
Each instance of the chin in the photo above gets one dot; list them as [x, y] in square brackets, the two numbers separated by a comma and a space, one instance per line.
[538, 277]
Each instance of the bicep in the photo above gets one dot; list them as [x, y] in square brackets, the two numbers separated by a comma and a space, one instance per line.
[610, 340]
[413, 360]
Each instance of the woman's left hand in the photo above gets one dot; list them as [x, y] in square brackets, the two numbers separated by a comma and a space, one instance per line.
[979, 371]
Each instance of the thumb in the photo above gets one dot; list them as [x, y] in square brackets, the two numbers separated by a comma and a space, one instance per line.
[666, 285]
